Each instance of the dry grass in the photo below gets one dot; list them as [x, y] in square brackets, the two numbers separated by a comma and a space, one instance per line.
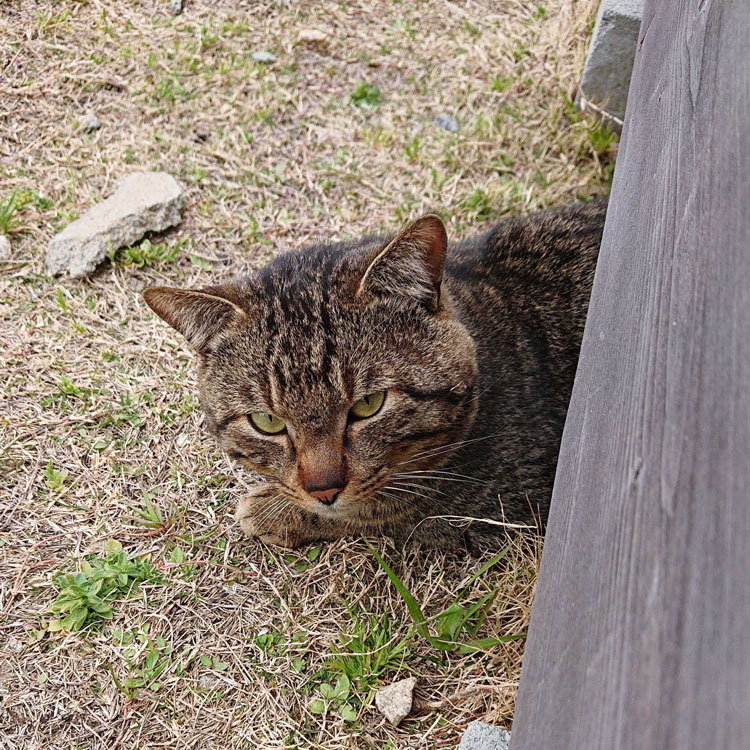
[98, 409]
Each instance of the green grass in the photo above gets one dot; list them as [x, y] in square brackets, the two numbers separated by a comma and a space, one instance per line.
[85, 598]
[456, 627]
[146, 254]
[366, 95]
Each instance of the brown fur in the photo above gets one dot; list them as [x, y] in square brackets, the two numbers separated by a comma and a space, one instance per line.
[476, 351]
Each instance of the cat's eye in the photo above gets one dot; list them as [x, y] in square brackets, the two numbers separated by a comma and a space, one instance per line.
[267, 423]
[368, 406]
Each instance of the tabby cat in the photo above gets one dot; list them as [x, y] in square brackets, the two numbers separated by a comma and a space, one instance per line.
[397, 386]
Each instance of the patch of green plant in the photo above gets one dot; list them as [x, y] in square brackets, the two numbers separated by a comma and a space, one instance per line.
[145, 254]
[600, 137]
[271, 642]
[15, 203]
[85, 598]
[338, 698]
[501, 83]
[456, 627]
[304, 561]
[412, 149]
[478, 203]
[213, 662]
[151, 515]
[149, 661]
[366, 95]
[370, 651]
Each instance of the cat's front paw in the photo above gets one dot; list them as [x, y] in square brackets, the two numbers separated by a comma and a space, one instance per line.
[263, 513]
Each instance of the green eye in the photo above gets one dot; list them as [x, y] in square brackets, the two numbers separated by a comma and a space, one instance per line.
[368, 406]
[267, 423]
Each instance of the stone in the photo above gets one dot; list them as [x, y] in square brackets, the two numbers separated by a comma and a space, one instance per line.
[447, 122]
[609, 64]
[143, 202]
[312, 36]
[176, 6]
[208, 682]
[90, 123]
[263, 56]
[394, 701]
[481, 736]
[4, 247]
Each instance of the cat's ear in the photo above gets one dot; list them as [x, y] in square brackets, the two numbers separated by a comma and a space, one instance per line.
[411, 265]
[199, 315]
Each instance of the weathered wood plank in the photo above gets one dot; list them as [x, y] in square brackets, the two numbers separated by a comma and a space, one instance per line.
[640, 633]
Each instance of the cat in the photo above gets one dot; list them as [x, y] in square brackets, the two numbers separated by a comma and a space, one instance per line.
[397, 386]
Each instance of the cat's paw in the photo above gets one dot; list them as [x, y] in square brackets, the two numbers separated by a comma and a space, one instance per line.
[262, 514]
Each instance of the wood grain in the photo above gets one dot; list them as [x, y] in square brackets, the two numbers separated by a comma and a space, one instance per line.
[640, 632]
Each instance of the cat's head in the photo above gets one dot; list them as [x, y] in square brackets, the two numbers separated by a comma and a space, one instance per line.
[334, 368]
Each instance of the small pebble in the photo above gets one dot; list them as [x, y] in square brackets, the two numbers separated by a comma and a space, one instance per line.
[311, 36]
[176, 6]
[90, 123]
[263, 56]
[447, 122]
[394, 701]
[4, 247]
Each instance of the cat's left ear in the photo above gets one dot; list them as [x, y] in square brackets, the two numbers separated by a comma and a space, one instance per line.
[198, 314]
[411, 265]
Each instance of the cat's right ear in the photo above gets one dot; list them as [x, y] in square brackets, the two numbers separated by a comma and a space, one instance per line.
[411, 265]
[198, 315]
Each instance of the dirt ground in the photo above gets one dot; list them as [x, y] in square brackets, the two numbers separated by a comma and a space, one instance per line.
[214, 641]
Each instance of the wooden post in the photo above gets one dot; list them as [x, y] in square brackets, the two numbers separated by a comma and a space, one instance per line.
[640, 632]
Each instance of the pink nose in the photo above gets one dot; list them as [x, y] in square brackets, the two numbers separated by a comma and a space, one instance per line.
[327, 496]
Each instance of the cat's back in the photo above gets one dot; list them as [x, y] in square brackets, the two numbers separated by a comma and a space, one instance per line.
[529, 277]
[545, 252]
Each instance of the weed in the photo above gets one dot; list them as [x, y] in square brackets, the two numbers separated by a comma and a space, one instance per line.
[457, 619]
[15, 203]
[337, 697]
[146, 254]
[501, 83]
[479, 204]
[412, 148]
[303, 562]
[366, 95]
[55, 479]
[151, 516]
[85, 598]
[600, 137]
[370, 651]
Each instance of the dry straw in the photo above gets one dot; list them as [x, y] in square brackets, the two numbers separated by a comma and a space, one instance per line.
[100, 434]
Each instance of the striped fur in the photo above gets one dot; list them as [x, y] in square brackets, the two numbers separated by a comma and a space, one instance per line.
[477, 353]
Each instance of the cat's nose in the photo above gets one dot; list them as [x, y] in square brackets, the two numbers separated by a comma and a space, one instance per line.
[326, 496]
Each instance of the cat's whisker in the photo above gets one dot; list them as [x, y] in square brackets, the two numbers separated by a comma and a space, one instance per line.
[437, 475]
[438, 478]
[419, 487]
[436, 501]
[445, 449]
[400, 500]
[269, 508]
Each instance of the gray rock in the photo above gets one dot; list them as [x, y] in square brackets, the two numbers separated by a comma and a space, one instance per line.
[394, 701]
[263, 56]
[143, 202]
[90, 123]
[447, 122]
[176, 6]
[609, 64]
[4, 247]
[481, 736]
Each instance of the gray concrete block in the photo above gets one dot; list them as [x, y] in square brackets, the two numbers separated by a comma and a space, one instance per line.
[606, 76]
[481, 736]
[143, 202]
